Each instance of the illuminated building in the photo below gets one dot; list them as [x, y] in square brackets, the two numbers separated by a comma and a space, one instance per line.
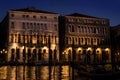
[84, 38]
[29, 35]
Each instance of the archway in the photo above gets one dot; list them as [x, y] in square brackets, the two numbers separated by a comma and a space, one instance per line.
[98, 55]
[79, 55]
[89, 56]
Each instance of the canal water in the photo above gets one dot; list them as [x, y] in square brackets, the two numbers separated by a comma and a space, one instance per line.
[39, 73]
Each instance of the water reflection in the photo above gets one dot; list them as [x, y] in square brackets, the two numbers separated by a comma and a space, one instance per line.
[37, 73]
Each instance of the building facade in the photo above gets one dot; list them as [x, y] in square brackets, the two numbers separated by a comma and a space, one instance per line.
[85, 38]
[31, 35]
[115, 42]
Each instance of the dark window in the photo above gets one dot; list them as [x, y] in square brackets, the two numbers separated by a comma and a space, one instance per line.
[12, 25]
[23, 25]
[12, 51]
[19, 40]
[18, 53]
[73, 29]
[12, 15]
[34, 17]
[55, 27]
[23, 16]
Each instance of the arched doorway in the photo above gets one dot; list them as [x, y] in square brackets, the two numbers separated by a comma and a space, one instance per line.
[79, 55]
[98, 55]
[106, 55]
[89, 56]
[45, 55]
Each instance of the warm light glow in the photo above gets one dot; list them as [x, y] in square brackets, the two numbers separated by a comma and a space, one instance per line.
[33, 47]
[107, 49]
[22, 47]
[5, 51]
[70, 48]
[34, 41]
[118, 53]
[14, 45]
[89, 49]
[53, 46]
[45, 47]
[79, 49]
[98, 51]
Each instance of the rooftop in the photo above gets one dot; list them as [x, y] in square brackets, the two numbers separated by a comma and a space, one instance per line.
[32, 9]
[80, 15]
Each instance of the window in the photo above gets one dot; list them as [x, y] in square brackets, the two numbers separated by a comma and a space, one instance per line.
[34, 17]
[19, 39]
[66, 40]
[79, 40]
[55, 27]
[18, 54]
[12, 15]
[12, 38]
[72, 28]
[27, 16]
[38, 26]
[31, 25]
[41, 26]
[82, 40]
[45, 17]
[12, 25]
[41, 17]
[23, 25]
[23, 16]
[45, 26]
[55, 18]
[27, 25]
[78, 29]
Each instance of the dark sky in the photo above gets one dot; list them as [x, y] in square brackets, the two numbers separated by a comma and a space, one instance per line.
[109, 9]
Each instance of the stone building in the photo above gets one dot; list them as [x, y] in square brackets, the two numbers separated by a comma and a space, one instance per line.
[115, 42]
[84, 38]
[30, 35]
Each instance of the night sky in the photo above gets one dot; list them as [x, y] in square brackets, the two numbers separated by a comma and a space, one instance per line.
[109, 9]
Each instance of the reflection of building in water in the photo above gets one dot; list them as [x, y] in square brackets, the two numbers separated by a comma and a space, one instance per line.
[35, 73]
[27, 33]
[90, 36]
[3, 72]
